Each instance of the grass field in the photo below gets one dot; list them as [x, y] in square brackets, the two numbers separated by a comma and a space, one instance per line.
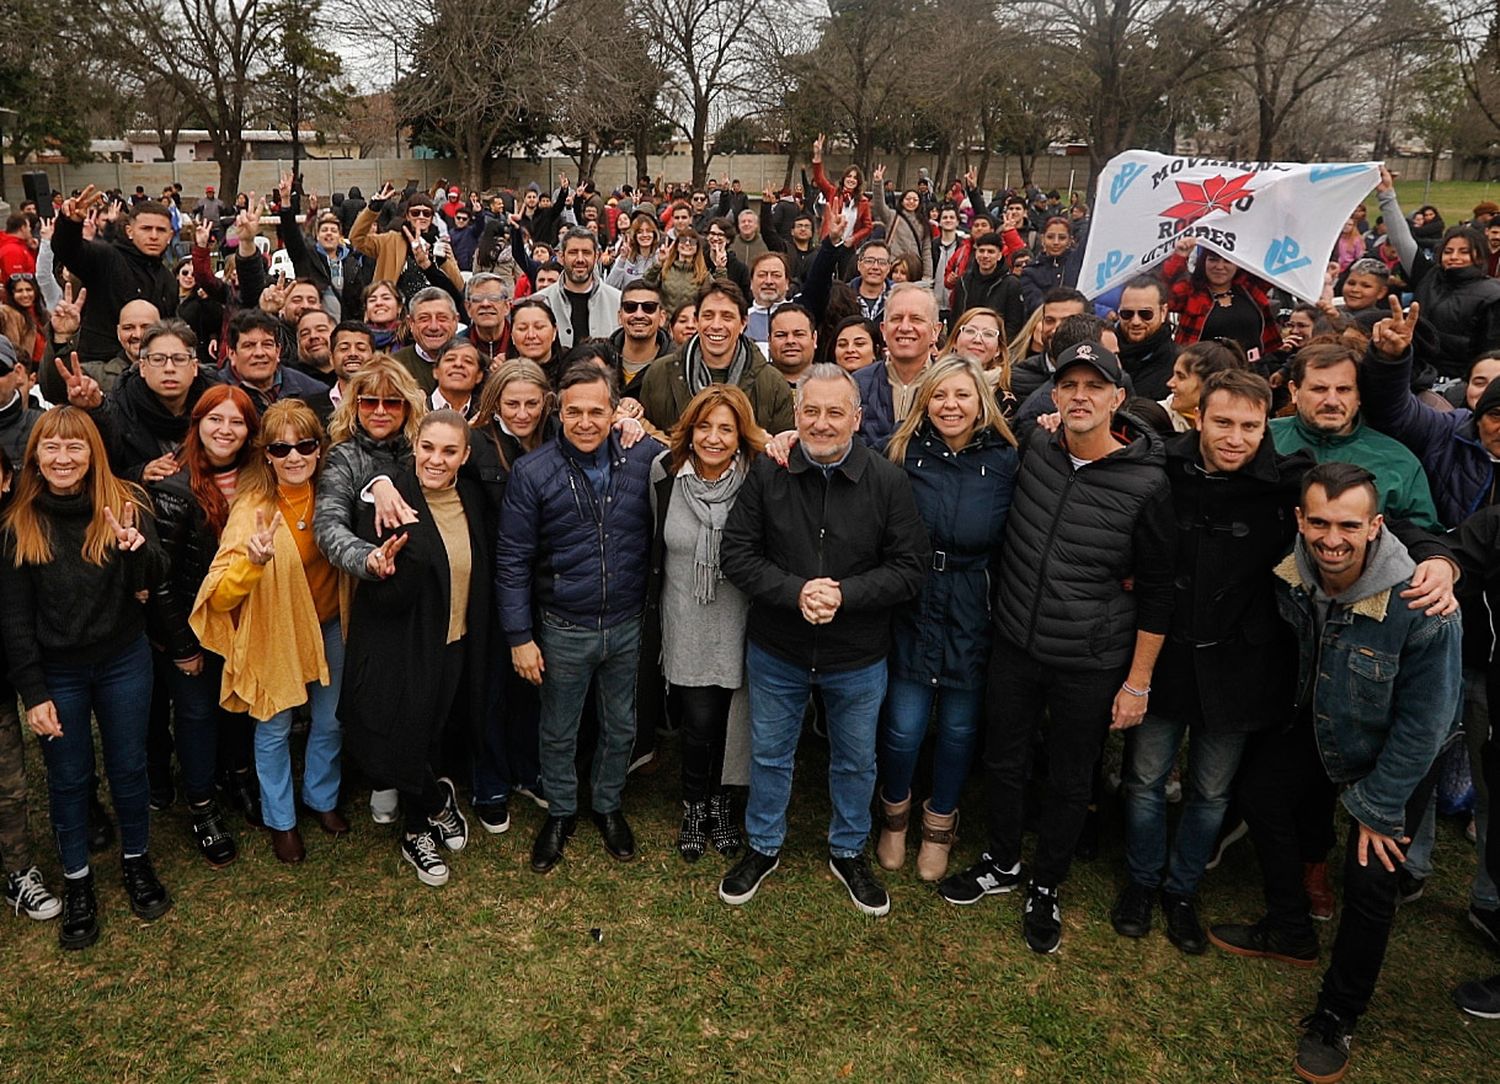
[1455, 199]
[347, 969]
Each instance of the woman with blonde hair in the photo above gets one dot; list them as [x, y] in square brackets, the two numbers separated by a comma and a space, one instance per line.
[680, 269]
[979, 335]
[270, 607]
[694, 484]
[77, 549]
[961, 459]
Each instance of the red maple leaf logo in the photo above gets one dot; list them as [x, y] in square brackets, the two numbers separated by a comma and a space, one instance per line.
[1214, 194]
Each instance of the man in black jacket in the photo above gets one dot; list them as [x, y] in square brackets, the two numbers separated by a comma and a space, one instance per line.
[824, 549]
[115, 272]
[1146, 347]
[1092, 513]
[988, 283]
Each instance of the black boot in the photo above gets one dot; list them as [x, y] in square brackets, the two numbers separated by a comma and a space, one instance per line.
[547, 851]
[692, 838]
[148, 898]
[242, 791]
[80, 916]
[211, 834]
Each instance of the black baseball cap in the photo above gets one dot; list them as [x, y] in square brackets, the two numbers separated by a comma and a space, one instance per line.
[1096, 356]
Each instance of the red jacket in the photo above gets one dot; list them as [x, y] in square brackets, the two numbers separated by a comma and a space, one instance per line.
[1010, 243]
[864, 224]
[1192, 304]
[16, 257]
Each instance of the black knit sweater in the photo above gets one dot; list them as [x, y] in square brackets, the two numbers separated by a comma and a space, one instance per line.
[69, 611]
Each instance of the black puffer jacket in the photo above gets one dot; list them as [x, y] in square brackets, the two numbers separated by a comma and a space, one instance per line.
[1461, 314]
[114, 272]
[137, 428]
[190, 544]
[1073, 539]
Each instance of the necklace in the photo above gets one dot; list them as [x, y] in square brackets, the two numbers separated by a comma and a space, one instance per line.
[301, 517]
[1225, 299]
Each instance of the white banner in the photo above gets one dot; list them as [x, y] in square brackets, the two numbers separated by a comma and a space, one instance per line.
[1277, 220]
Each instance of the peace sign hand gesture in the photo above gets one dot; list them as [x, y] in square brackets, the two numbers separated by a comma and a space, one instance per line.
[382, 560]
[273, 297]
[83, 390]
[78, 208]
[817, 147]
[67, 318]
[1392, 336]
[128, 537]
[261, 546]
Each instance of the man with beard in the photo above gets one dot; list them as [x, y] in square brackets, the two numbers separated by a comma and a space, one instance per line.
[1146, 347]
[641, 337]
[584, 307]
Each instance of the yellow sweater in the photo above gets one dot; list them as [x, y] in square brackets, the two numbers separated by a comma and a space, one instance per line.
[262, 619]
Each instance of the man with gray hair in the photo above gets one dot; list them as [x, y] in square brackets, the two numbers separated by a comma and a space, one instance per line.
[487, 297]
[585, 307]
[887, 389]
[433, 318]
[824, 548]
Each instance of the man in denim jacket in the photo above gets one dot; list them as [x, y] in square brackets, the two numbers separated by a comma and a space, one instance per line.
[1378, 696]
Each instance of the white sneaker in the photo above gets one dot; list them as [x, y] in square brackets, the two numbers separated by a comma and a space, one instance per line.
[24, 891]
[384, 806]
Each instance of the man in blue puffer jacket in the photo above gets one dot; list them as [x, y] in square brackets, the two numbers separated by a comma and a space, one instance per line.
[571, 565]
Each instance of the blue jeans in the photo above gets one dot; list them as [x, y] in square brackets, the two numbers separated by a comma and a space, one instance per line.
[778, 699]
[575, 656]
[908, 707]
[325, 740]
[196, 720]
[1150, 752]
[118, 692]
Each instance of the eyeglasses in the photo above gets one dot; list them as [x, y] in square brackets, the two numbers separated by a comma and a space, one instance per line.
[986, 334]
[490, 299]
[280, 449]
[874, 261]
[1143, 315]
[375, 402]
[647, 307]
[157, 361]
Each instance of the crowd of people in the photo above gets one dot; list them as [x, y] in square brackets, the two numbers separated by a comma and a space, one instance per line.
[855, 459]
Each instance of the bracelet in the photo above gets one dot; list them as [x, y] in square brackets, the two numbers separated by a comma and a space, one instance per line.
[1135, 692]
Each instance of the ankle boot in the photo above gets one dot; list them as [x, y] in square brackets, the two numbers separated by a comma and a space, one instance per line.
[939, 830]
[891, 849]
[692, 837]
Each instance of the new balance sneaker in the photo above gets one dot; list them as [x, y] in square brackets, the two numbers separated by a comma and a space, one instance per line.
[421, 852]
[494, 817]
[449, 822]
[148, 898]
[1041, 919]
[1263, 942]
[26, 893]
[1323, 1053]
[1131, 914]
[742, 882]
[1480, 998]
[868, 894]
[384, 806]
[986, 877]
[211, 834]
[79, 927]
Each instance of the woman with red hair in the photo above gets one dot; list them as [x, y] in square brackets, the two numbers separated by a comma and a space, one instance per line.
[192, 507]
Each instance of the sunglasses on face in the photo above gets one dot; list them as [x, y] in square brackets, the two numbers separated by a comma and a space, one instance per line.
[647, 307]
[419, 213]
[1143, 315]
[375, 402]
[280, 449]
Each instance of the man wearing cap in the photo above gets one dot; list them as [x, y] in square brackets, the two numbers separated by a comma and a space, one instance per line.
[17, 415]
[1084, 601]
[210, 209]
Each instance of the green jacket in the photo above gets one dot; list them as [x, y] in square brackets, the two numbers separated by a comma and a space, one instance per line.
[1404, 493]
[664, 392]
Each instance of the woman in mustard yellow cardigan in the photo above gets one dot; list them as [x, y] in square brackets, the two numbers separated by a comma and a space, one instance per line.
[270, 606]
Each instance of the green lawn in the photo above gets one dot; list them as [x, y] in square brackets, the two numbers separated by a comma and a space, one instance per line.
[1454, 199]
[347, 969]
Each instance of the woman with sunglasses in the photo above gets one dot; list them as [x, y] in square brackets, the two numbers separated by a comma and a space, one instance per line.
[192, 506]
[78, 547]
[269, 607]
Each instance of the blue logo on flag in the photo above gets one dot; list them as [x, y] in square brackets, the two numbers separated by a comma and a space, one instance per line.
[1284, 256]
[1113, 263]
[1124, 179]
[1327, 173]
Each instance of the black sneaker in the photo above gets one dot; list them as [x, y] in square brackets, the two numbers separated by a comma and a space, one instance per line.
[742, 882]
[449, 823]
[1183, 928]
[868, 894]
[692, 837]
[494, 817]
[1480, 998]
[1229, 835]
[215, 843]
[26, 893]
[1041, 919]
[101, 828]
[984, 878]
[1262, 942]
[80, 914]
[148, 898]
[1409, 889]
[1131, 914]
[1487, 921]
[421, 852]
[1323, 1053]
[242, 792]
[162, 795]
[723, 826]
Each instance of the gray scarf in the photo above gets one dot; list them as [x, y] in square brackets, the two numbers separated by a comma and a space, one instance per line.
[710, 503]
[695, 370]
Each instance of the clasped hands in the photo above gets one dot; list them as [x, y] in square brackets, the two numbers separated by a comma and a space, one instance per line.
[819, 600]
